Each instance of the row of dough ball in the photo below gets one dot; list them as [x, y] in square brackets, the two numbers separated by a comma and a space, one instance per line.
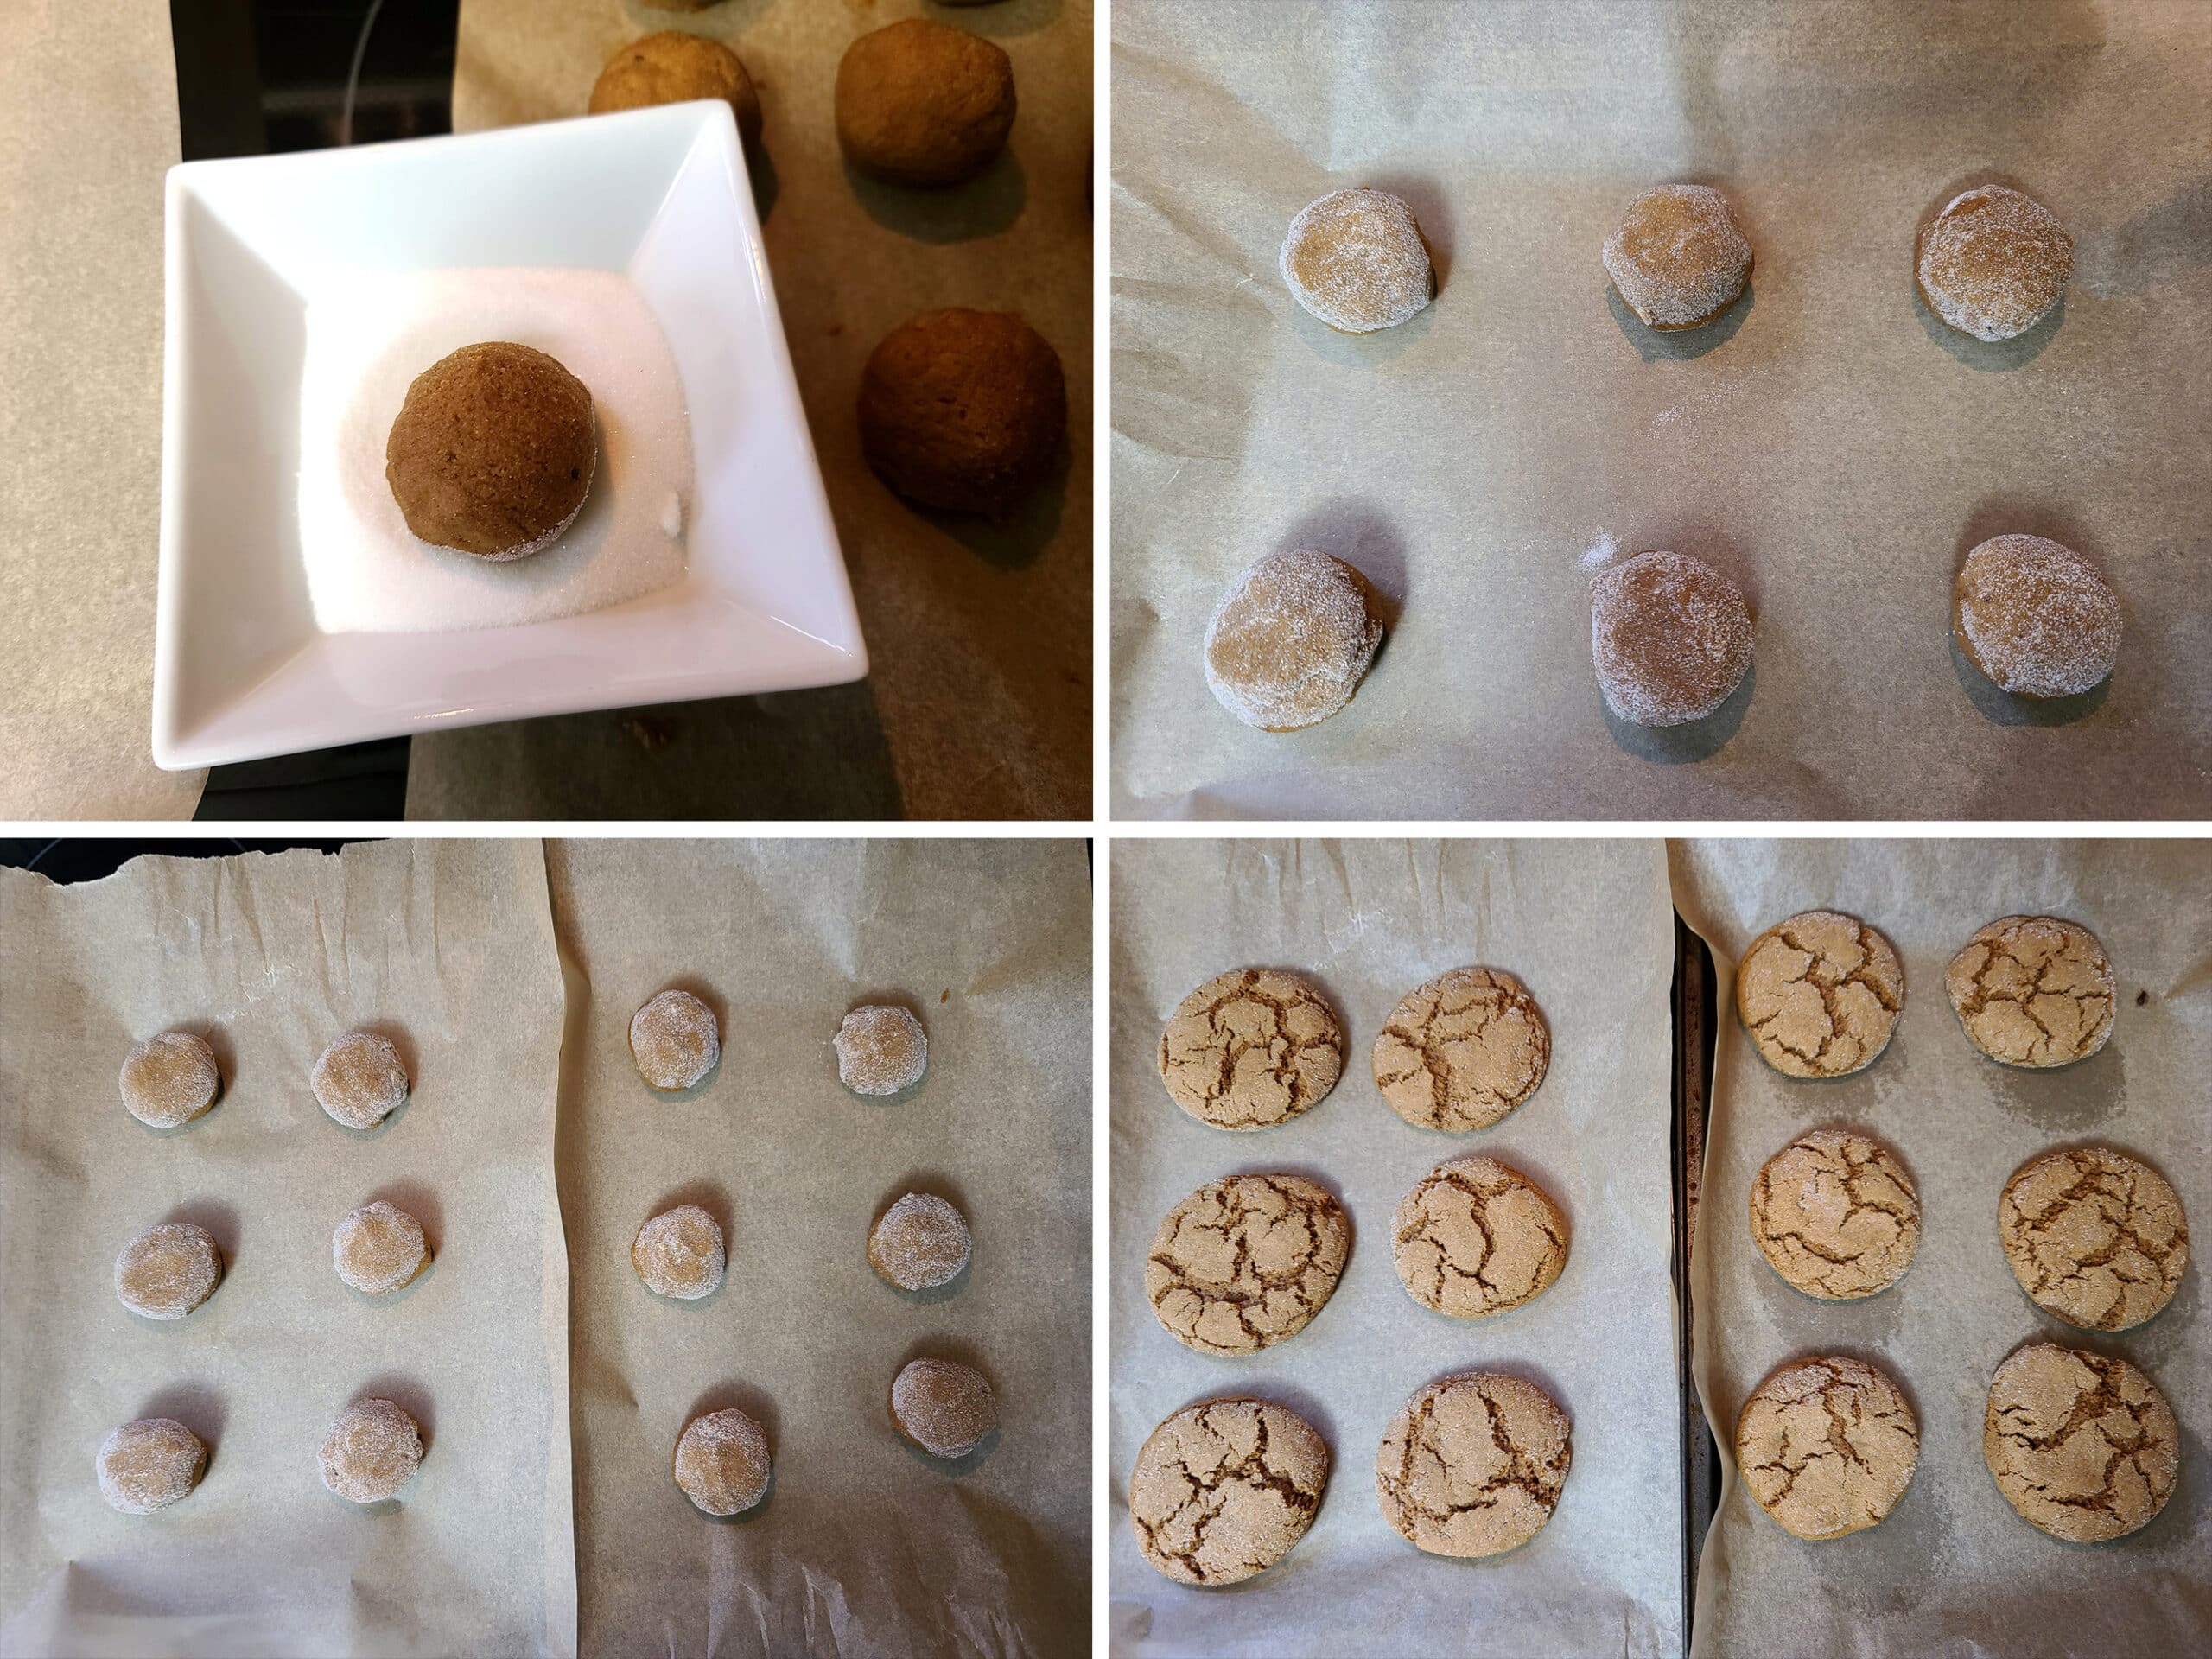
[919, 1243]
[171, 1269]
[881, 1048]
[171, 1079]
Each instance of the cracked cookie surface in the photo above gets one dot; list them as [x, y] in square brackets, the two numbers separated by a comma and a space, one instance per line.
[1251, 1048]
[1827, 1446]
[1243, 1263]
[1473, 1465]
[1462, 1051]
[1819, 995]
[1223, 1489]
[1835, 1215]
[2094, 1236]
[2083, 1447]
[1476, 1237]
[2033, 991]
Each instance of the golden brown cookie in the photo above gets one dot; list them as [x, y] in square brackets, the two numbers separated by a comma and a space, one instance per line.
[674, 67]
[2083, 1446]
[922, 103]
[379, 1247]
[1223, 1489]
[723, 1463]
[943, 1406]
[1827, 1446]
[169, 1079]
[880, 1050]
[169, 1270]
[1475, 1237]
[966, 411]
[148, 1464]
[1835, 1215]
[1355, 259]
[1670, 638]
[919, 1243]
[2094, 1236]
[1819, 995]
[678, 1254]
[1290, 639]
[2035, 617]
[1993, 262]
[373, 1448]
[1243, 1263]
[1474, 1465]
[2033, 991]
[675, 1042]
[360, 1080]
[1462, 1051]
[1678, 260]
[1250, 1048]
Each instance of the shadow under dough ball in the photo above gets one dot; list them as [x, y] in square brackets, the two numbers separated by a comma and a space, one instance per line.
[674, 67]
[1670, 638]
[2035, 617]
[922, 103]
[1290, 639]
[494, 451]
[963, 410]
[1678, 259]
[1993, 262]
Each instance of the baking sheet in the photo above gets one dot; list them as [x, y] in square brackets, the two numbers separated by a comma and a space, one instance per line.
[978, 699]
[863, 1544]
[1953, 1570]
[450, 948]
[1833, 449]
[1587, 926]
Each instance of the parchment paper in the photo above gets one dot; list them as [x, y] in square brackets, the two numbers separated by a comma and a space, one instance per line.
[1953, 1570]
[448, 948]
[863, 1544]
[1586, 924]
[978, 699]
[1837, 451]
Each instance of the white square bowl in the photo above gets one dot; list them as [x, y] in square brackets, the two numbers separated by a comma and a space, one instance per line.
[241, 670]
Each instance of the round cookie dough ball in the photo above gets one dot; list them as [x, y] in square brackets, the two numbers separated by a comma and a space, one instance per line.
[372, 1449]
[1819, 995]
[1475, 1237]
[169, 1270]
[360, 1080]
[148, 1465]
[919, 1243]
[494, 451]
[1786, 1446]
[679, 1252]
[2094, 1236]
[881, 1049]
[1222, 1490]
[379, 1247]
[1670, 636]
[1678, 260]
[1461, 1052]
[170, 1079]
[922, 103]
[674, 67]
[1355, 259]
[1835, 1215]
[1473, 1465]
[1290, 639]
[675, 1042]
[723, 1463]
[2083, 1446]
[965, 411]
[945, 1408]
[2033, 991]
[1993, 262]
[1244, 1263]
[2035, 617]
[1251, 1048]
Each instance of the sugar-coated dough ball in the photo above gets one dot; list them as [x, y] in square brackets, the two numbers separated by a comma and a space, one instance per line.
[1678, 259]
[1993, 262]
[943, 1406]
[675, 1042]
[169, 1079]
[1671, 638]
[919, 1243]
[966, 411]
[881, 1049]
[148, 1465]
[2036, 617]
[360, 1080]
[679, 1252]
[1290, 639]
[1355, 259]
[167, 1270]
[378, 1247]
[723, 1463]
[674, 67]
[922, 103]
[372, 1449]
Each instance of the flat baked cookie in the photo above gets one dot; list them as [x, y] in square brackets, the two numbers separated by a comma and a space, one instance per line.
[2082, 1446]
[1223, 1489]
[2033, 991]
[1473, 1465]
[1251, 1048]
[1827, 1446]
[1819, 995]
[1244, 1263]
[1475, 1237]
[1462, 1051]
[1835, 1215]
[2094, 1236]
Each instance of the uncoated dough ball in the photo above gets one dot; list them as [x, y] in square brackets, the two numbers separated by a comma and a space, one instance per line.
[372, 1449]
[880, 1050]
[919, 1243]
[723, 1463]
[679, 1252]
[1670, 636]
[359, 1081]
[148, 1464]
[1678, 259]
[922, 103]
[675, 1042]
[943, 1407]
[1994, 262]
[1290, 639]
[1355, 259]
[169, 1079]
[674, 67]
[378, 1247]
[2036, 617]
[169, 1270]
[966, 411]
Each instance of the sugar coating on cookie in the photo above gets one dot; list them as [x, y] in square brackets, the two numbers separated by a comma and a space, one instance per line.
[675, 1042]
[1678, 259]
[148, 1464]
[1243, 1263]
[1222, 1490]
[1670, 638]
[1461, 1052]
[1475, 1237]
[1819, 995]
[360, 1080]
[1251, 1048]
[919, 1243]
[373, 1448]
[723, 1463]
[881, 1049]
[2033, 991]
[1355, 259]
[2082, 1445]
[679, 1252]
[943, 1406]
[1474, 1465]
[1290, 639]
[1836, 1215]
[169, 1270]
[1993, 262]
[378, 1247]
[169, 1079]
[2094, 1236]
[2037, 618]
[1827, 1446]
